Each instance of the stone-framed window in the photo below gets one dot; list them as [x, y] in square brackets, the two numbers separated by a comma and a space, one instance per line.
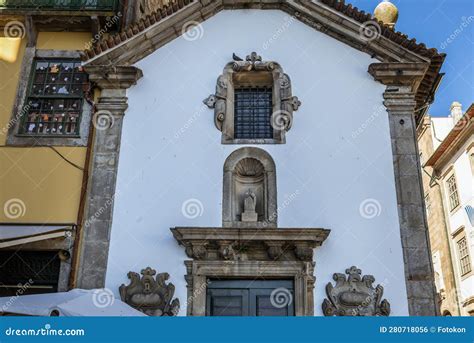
[51, 105]
[249, 189]
[463, 255]
[470, 153]
[452, 192]
[253, 103]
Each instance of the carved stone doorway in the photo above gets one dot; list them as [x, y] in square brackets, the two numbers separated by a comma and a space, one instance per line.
[249, 254]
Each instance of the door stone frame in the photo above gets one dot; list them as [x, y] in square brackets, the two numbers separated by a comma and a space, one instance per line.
[250, 253]
[300, 272]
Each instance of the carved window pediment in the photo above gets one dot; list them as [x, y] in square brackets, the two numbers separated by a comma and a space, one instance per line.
[241, 95]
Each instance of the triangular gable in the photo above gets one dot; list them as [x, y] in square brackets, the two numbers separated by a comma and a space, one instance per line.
[332, 17]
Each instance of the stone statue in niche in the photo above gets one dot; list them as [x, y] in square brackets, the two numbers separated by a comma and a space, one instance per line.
[149, 295]
[250, 203]
[354, 296]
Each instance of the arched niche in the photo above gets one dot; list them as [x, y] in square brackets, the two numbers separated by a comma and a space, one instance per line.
[249, 189]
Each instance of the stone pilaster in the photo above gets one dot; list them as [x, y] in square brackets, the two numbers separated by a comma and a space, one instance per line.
[97, 220]
[402, 80]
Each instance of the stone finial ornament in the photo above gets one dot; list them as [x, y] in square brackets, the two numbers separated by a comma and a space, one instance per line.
[387, 13]
[354, 296]
[149, 295]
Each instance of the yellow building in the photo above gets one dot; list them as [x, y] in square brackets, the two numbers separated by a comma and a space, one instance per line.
[45, 112]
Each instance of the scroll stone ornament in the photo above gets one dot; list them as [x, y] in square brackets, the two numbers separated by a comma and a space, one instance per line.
[223, 98]
[354, 296]
[149, 295]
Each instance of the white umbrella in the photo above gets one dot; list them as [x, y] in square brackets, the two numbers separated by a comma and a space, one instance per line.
[77, 302]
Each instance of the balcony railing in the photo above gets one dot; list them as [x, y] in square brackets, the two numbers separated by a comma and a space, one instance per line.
[60, 5]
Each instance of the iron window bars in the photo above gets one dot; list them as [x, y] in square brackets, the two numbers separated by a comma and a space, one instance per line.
[55, 98]
[252, 113]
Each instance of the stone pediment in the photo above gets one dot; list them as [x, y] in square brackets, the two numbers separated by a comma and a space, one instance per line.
[335, 18]
[245, 244]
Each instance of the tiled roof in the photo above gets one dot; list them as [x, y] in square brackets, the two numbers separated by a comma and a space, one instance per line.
[135, 28]
[463, 124]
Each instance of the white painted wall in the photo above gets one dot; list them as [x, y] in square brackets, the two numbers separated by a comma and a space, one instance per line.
[337, 155]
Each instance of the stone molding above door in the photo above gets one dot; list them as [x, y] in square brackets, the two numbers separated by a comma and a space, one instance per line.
[243, 253]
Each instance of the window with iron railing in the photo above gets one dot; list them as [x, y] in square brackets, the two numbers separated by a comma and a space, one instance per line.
[452, 192]
[55, 98]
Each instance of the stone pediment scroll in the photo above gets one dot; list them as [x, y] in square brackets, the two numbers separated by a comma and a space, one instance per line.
[150, 295]
[354, 295]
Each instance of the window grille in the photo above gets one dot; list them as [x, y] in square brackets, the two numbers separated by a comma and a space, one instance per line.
[252, 113]
[55, 98]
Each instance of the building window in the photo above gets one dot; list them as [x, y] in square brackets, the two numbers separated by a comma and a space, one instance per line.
[31, 272]
[464, 258]
[253, 102]
[452, 192]
[253, 112]
[55, 98]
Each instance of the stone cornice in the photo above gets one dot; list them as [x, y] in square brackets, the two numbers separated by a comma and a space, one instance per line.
[119, 77]
[314, 237]
[399, 74]
[216, 243]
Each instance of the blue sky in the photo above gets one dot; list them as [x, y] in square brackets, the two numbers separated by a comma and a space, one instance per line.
[432, 22]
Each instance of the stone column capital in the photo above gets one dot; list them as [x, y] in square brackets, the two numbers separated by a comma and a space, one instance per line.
[399, 100]
[114, 78]
[399, 74]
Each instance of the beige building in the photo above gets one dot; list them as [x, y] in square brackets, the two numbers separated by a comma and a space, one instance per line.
[446, 147]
